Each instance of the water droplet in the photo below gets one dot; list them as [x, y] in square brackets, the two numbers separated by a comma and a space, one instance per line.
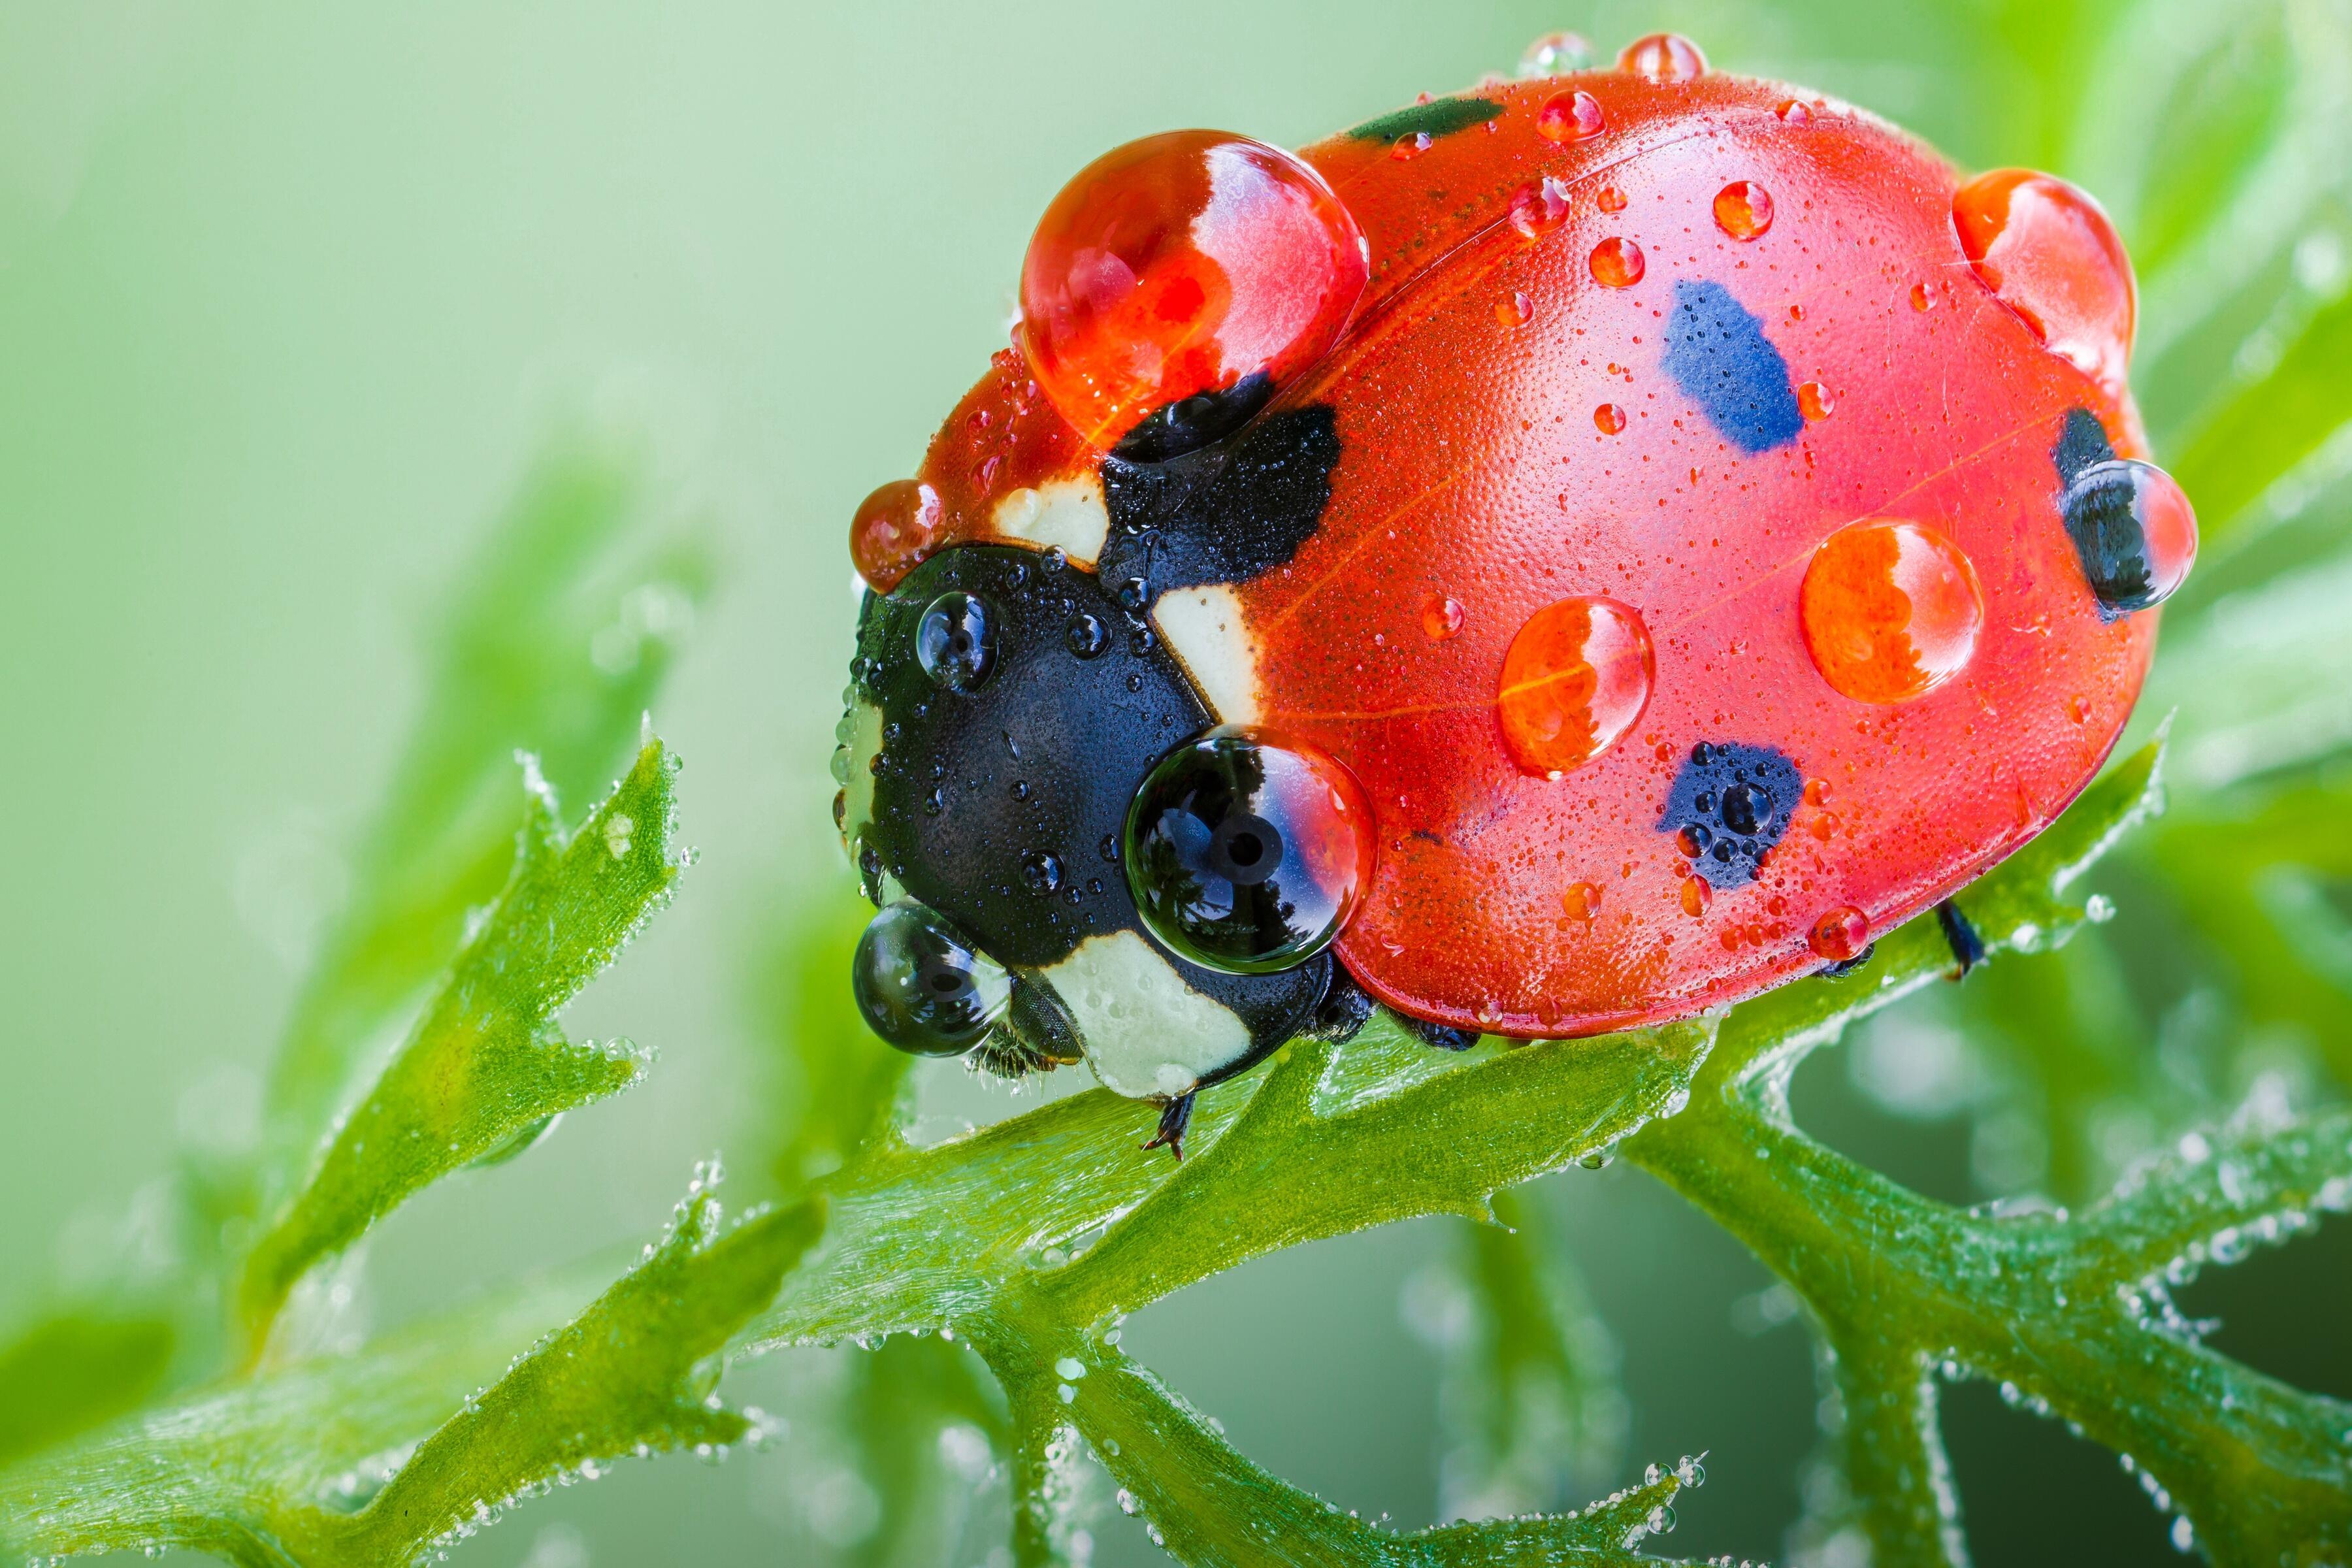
[1921, 298]
[1609, 419]
[1575, 678]
[1515, 310]
[1695, 896]
[1442, 617]
[1581, 901]
[2048, 252]
[1133, 594]
[1042, 871]
[2134, 532]
[1246, 852]
[894, 529]
[1138, 290]
[1556, 54]
[955, 642]
[1792, 112]
[1610, 200]
[1841, 934]
[1088, 637]
[1571, 117]
[1412, 146]
[1617, 263]
[1537, 210]
[1743, 210]
[1817, 791]
[1663, 57]
[1890, 610]
[1814, 402]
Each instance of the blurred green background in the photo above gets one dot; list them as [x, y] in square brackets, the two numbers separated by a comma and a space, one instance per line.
[293, 298]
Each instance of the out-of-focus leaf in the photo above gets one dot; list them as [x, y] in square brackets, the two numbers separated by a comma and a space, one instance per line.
[322, 1464]
[74, 1368]
[484, 1064]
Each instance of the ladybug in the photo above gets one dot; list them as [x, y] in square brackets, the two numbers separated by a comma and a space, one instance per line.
[1549, 559]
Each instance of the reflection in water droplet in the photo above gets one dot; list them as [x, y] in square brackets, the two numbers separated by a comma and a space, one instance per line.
[1617, 263]
[1413, 146]
[1570, 117]
[1042, 871]
[1576, 679]
[1537, 210]
[1442, 617]
[1663, 57]
[1743, 210]
[1610, 200]
[1890, 610]
[1813, 400]
[1696, 895]
[1514, 309]
[1921, 299]
[2134, 532]
[2048, 252]
[894, 529]
[1557, 54]
[1609, 418]
[1840, 934]
[1581, 901]
[1793, 113]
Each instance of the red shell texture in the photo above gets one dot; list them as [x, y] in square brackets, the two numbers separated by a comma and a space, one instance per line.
[1472, 470]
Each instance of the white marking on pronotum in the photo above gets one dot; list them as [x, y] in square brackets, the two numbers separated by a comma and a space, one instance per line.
[1205, 630]
[1066, 514]
[1148, 1035]
[861, 735]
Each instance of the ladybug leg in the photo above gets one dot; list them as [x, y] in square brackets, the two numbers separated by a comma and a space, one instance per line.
[1174, 1117]
[1968, 947]
[1344, 1009]
[1438, 1035]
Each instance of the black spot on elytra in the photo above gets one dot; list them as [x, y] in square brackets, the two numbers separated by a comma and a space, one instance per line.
[1438, 117]
[1226, 513]
[1040, 759]
[1717, 354]
[2100, 504]
[1190, 423]
[1728, 805]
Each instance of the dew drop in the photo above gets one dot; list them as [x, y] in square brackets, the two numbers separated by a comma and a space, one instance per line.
[1537, 210]
[2047, 251]
[1609, 419]
[1792, 112]
[1841, 934]
[894, 529]
[1088, 637]
[1663, 57]
[1890, 610]
[1581, 901]
[1557, 54]
[1617, 263]
[1570, 117]
[1610, 200]
[1921, 298]
[1413, 146]
[1814, 402]
[1514, 310]
[2134, 532]
[1695, 896]
[1441, 617]
[1575, 678]
[1042, 871]
[1743, 210]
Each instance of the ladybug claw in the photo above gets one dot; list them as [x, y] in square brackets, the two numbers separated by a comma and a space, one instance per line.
[1175, 1118]
[1968, 947]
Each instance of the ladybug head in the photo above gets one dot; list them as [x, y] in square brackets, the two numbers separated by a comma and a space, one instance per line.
[1023, 759]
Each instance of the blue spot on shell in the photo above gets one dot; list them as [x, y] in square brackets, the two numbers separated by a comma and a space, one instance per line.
[1719, 354]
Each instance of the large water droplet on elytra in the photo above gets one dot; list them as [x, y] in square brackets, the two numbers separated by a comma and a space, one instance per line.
[1743, 210]
[1571, 117]
[894, 529]
[2048, 252]
[1247, 852]
[1557, 54]
[1609, 419]
[955, 642]
[1617, 263]
[1890, 610]
[1442, 617]
[1575, 678]
[1815, 402]
[2134, 532]
[1191, 264]
[1538, 209]
[1663, 57]
[1839, 935]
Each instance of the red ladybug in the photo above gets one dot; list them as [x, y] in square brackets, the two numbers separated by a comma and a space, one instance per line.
[1544, 561]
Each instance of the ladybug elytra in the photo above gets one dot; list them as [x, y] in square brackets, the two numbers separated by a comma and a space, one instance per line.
[1548, 560]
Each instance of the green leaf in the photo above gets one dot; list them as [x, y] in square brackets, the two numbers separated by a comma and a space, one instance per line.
[320, 1464]
[74, 1368]
[484, 1065]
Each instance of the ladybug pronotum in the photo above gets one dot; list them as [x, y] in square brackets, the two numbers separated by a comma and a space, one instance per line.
[1548, 560]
